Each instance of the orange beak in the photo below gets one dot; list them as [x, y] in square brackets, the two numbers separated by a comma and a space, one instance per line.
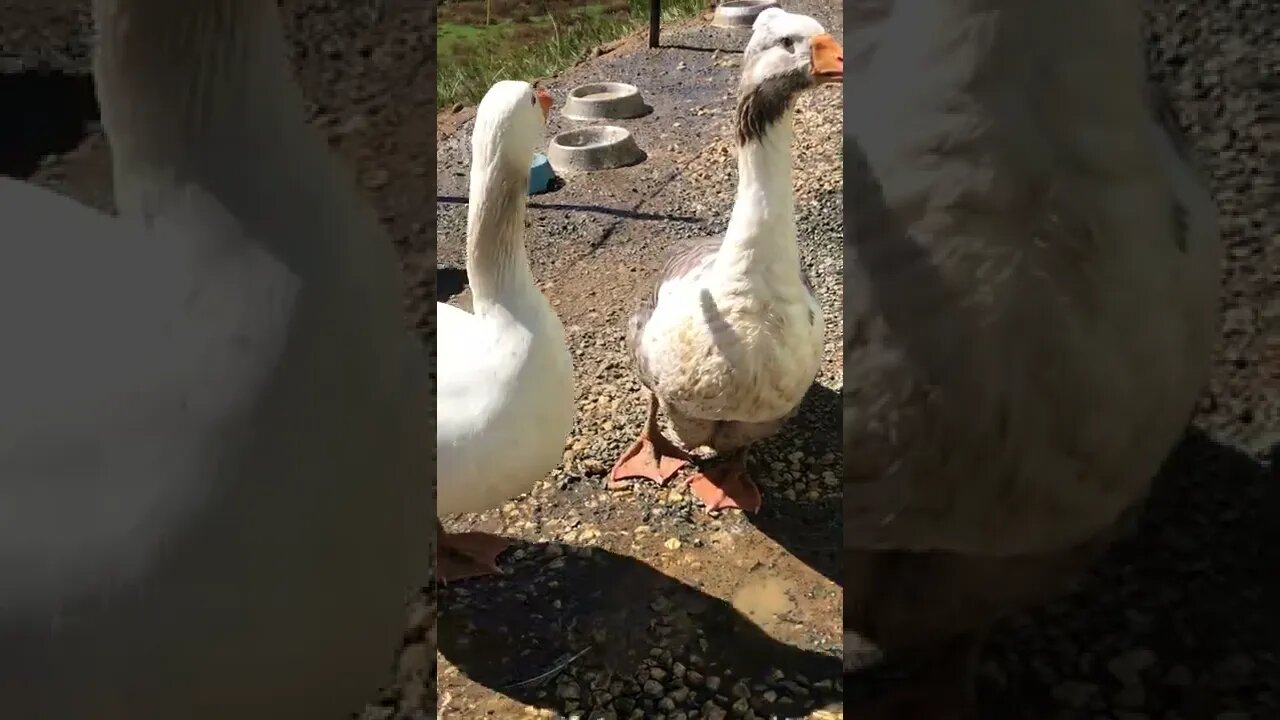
[826, 59]
[544, 101]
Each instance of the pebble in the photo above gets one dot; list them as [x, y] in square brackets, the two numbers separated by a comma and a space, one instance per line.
[1236, 670]
[1075, 694]
[1179, 676]
[1131, 664]
[415, 661]
[1132, 696]
[376, 178]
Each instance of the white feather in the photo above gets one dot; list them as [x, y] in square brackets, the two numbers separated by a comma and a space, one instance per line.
[214, 449]
[505, 394]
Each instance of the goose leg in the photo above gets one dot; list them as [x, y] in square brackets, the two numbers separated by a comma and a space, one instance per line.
[466, 555]
[942, 689]
[727, 485]
[651, 456]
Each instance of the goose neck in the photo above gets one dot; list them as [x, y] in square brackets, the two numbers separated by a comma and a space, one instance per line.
[180, 83]
[201, 93]
[497, 264]
[1057, 53]
[761, 235]
[1016, 86]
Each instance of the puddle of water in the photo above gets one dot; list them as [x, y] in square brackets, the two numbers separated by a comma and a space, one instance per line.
[764, 600]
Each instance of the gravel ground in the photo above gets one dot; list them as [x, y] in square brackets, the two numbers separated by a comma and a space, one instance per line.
[637, 604]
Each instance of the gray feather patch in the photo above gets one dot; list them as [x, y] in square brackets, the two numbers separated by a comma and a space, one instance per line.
[682, 258]
[765, 104]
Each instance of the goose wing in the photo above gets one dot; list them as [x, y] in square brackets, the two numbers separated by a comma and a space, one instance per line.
[132, 355]
[683, 262]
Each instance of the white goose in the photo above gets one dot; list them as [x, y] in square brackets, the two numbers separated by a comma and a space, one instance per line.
[505, 379]
[1030, 304]
[213, 453]
[731, 338]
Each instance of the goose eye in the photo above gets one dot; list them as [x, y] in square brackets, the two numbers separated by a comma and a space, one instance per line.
[788, 44]
[533, 99]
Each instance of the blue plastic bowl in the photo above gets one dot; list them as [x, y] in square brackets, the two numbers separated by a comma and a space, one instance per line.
[540, 174]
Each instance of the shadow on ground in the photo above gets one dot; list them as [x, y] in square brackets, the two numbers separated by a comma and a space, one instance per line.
[44, 112]
[702, 48]
[1195, 585]
[565, 634]
[450, 281]
[623, 213]
[805, 523]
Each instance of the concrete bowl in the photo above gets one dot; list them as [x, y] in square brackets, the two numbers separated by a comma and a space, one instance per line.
[604, 101]
[740, 13]
[599, 147]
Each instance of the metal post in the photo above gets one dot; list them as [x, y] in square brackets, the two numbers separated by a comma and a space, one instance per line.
[655, 22]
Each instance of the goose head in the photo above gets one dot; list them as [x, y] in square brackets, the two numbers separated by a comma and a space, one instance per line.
[510, 122]
[787, 54]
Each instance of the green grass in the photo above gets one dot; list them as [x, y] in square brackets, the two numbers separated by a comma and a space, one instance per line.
[473, 57]
[454, 40]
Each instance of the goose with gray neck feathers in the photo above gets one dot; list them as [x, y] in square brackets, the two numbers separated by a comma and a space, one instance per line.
[214, 465]
[1031, 288]
[731, 339]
